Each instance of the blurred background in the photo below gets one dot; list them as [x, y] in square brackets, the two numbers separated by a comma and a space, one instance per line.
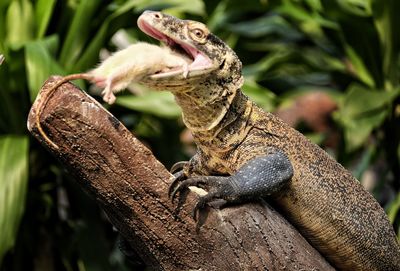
[330, 68]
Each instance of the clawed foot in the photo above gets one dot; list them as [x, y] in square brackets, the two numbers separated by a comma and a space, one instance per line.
[180, 186]
[259, 177]
[217, 187]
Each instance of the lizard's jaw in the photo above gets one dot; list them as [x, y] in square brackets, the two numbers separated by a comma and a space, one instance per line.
[201, 64]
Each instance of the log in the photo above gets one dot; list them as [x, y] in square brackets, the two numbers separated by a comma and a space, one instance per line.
[131, 186]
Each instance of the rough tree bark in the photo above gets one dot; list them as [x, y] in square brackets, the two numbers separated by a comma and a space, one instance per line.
[128, 182]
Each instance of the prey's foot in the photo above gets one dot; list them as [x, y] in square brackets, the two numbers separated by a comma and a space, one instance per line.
[108, 97]
[107, 93]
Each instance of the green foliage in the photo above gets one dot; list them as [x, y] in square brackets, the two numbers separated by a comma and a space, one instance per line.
[362, 110]
[39, 63]
[13, 183]
[38, 39]
[393, 211]
[348, 49]
[160, 104]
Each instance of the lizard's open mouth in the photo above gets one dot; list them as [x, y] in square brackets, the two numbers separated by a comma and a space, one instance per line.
[200, 61]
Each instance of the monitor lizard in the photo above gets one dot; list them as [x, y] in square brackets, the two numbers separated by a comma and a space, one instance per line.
[244, 153]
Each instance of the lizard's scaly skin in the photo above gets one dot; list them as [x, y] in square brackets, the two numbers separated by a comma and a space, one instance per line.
[323, 200]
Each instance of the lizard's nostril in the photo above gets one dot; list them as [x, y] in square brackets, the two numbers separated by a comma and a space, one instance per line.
[157, 15]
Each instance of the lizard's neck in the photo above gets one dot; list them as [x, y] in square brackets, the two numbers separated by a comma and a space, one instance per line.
[205, 106]
[216, 122]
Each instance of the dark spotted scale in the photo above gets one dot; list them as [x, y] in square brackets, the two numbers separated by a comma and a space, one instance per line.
[263, 175]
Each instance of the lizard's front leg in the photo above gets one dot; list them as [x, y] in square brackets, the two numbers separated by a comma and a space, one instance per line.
[259, 177]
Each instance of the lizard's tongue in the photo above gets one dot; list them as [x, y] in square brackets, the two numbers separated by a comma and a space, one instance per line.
[199, 60]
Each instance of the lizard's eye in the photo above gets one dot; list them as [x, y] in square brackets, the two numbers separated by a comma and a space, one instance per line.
[197, 34]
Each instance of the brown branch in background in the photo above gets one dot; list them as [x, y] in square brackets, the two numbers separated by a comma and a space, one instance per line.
[131, 185]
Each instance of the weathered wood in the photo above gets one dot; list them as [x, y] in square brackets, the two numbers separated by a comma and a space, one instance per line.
[130, 184]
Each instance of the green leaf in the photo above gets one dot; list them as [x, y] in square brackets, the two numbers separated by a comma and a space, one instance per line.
[316, 138]
[394, 208]
[361, 111]
[13, 187]
[386, 19]
[78, 33]
[314, 4]
[218, 17]
[310, 21]
[359, 67]
[298, 12]
[43, 12]
[263, 97]
[195, 7]
[173, 7]
[356, 7]
[40, 64]
[157, 103]
[266, 63]
[3, 26]
[360, 101]
[91, 54]
[20, 23]
[265, 25]
[365, 161]
[356, 132]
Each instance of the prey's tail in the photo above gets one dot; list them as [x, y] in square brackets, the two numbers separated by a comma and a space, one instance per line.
[50, 93]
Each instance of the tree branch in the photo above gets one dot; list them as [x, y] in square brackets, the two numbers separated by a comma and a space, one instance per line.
[128, 182]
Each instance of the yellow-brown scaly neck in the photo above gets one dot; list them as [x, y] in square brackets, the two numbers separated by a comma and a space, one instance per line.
[230, 129]
[204, 106]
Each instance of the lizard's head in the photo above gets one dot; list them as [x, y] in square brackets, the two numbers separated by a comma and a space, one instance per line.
[211, 58]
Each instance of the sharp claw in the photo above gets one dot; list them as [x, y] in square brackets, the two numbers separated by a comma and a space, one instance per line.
[201, 204]
[179, 188]
[196, 210]
[172, 188]
[178, 166]
[182, 183]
